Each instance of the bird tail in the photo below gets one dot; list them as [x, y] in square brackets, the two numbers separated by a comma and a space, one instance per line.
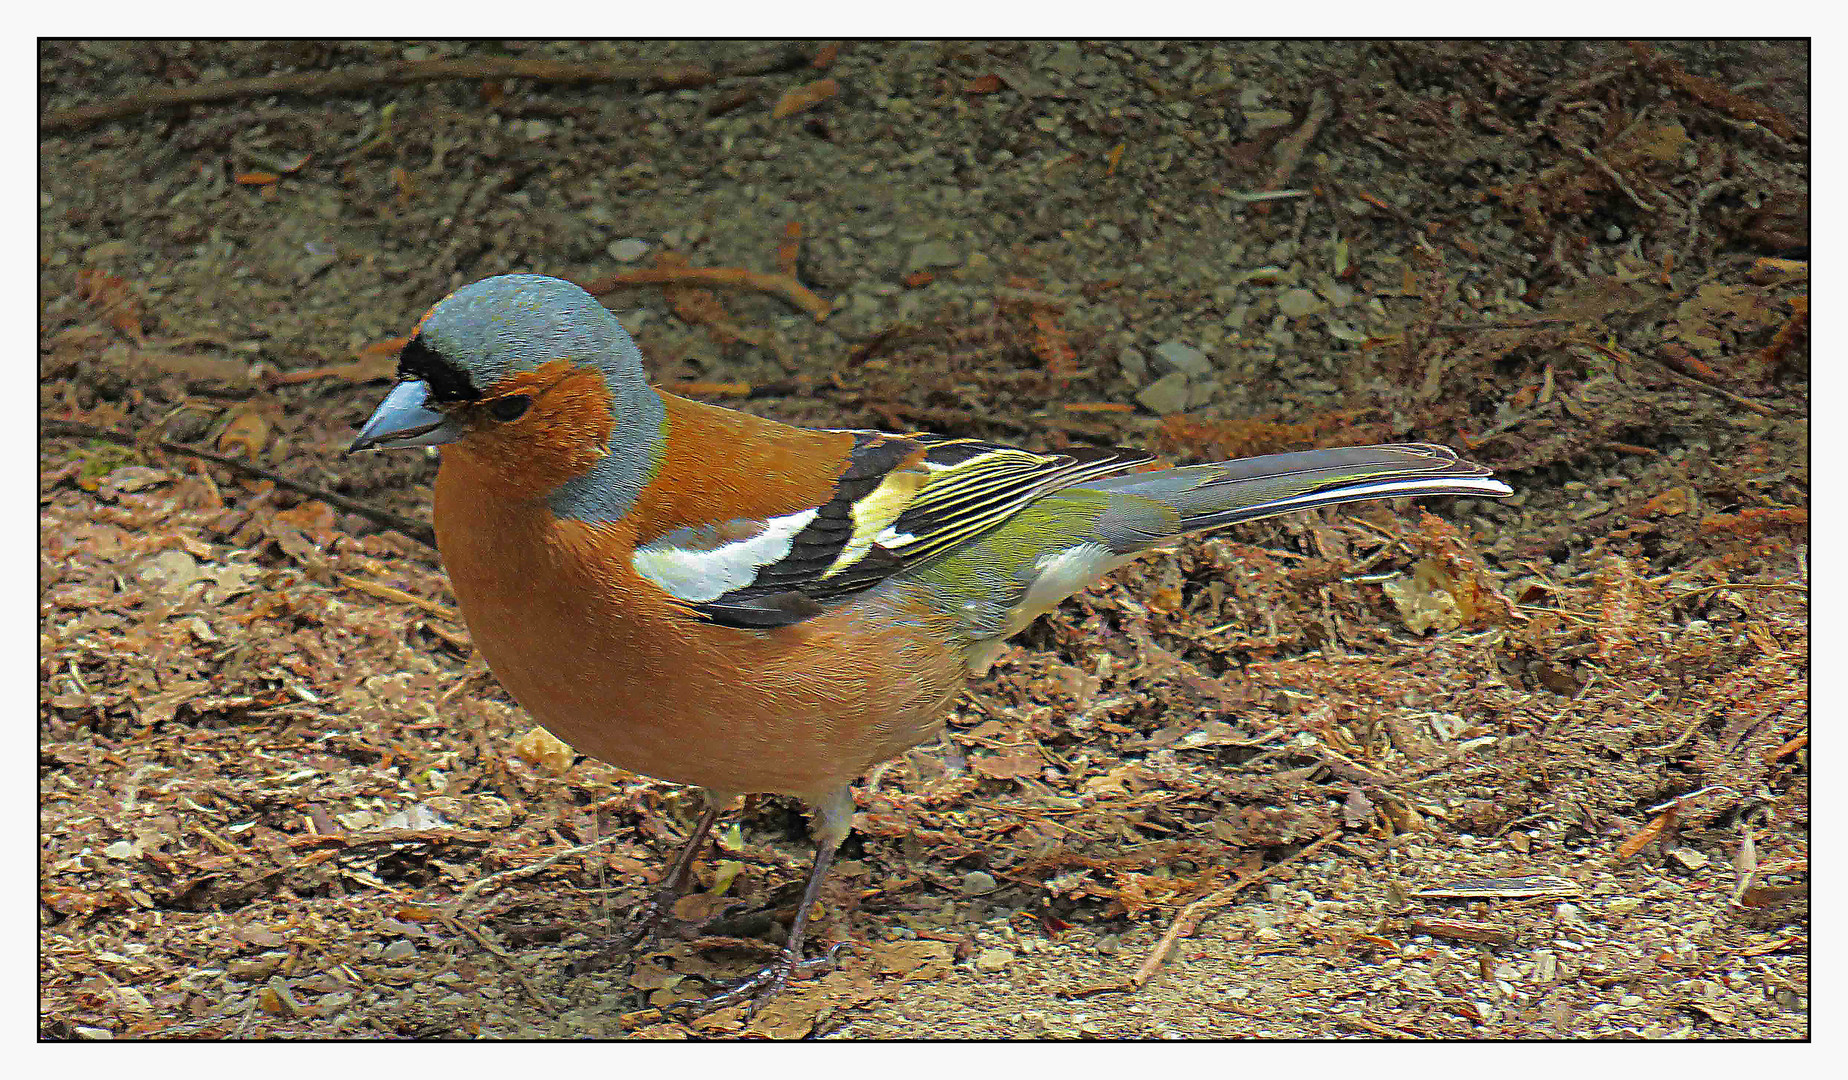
[1208, 496]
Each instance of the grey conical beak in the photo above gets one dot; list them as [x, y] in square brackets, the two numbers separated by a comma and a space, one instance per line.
[403, 420]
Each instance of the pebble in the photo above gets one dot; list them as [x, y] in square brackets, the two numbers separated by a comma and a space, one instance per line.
[994, 960]
[1109, 944]
[1135, 366]
[1689, 858]
[1065, 59]
[1298, 302]
[976, 882]
[1630, 1001]
[1165, 395]
[399, 950]
[933, 255]
[1176, 356]
[628, 250]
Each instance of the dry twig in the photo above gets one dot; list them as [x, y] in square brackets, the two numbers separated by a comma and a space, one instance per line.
[1192, 916]
[1708, 92]
[416, 530]
[726, 277]
[352, 80]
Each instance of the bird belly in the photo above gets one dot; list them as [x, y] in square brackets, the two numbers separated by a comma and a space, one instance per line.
[624, 676]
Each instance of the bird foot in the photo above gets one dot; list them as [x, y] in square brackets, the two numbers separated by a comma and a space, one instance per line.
[643, 927]
[755, 989]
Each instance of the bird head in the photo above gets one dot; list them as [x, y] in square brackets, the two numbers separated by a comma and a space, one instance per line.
[533, 381]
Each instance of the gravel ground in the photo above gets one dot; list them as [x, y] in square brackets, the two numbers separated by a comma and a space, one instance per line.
[266, 793]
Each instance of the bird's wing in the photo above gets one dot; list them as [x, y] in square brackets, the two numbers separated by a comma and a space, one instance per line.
[900, 500]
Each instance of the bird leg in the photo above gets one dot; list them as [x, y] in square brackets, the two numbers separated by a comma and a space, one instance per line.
[834, 817]
[661, 905]
[657, 909]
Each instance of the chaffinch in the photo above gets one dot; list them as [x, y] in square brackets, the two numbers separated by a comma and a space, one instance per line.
[716, 599]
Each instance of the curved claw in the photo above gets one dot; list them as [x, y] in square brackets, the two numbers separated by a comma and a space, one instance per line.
[755, 989]
[643, 927]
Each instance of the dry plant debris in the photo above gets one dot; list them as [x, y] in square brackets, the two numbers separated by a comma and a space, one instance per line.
[1530, 770]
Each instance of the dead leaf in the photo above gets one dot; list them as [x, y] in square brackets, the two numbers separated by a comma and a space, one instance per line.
[543, 749]
[1052, 346]
[117, 302]
[1628, 849]
[802, 98]
[247, 433]
[1009, 763]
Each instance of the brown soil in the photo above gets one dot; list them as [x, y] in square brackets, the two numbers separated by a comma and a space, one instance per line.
[278, 800]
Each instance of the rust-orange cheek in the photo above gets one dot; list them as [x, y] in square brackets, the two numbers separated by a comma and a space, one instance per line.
[562, 435]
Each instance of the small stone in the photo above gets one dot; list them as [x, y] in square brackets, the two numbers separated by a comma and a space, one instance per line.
[170, 570]
[629, 250]
[1109, 944]
[1630, 1001]
[399, 950]
[94, 1033]
[1337, 294]
[1165, 395]
[1625, 905]
[1260, 275]
[1135, 366]
[933, 255]
[121, 849]
[1175, 356]
[277, 1000]
[110, 251]
[976, 882]
[1689, 858]
[1298, 302]
[1065, 59]
[994, 960]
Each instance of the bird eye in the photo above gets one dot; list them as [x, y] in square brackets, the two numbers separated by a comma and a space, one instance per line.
[510, 408]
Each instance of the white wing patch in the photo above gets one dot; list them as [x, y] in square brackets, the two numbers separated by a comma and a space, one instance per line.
[703, 564]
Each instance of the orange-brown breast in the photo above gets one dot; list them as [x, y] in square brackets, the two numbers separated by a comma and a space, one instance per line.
[616, 667]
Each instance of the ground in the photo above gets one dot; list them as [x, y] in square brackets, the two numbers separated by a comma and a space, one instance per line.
[279, 800]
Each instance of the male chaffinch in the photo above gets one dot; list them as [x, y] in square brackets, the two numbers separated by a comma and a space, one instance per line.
[716, 599]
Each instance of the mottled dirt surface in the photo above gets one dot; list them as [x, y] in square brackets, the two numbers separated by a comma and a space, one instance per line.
[278, 799]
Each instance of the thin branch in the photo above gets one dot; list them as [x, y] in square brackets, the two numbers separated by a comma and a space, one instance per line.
[352, 80]
[416, 530]
[1610, 174]
[728, 277]
[1192, 916]
[1708, 92]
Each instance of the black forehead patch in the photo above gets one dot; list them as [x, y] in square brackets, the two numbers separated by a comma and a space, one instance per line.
[417, 360]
